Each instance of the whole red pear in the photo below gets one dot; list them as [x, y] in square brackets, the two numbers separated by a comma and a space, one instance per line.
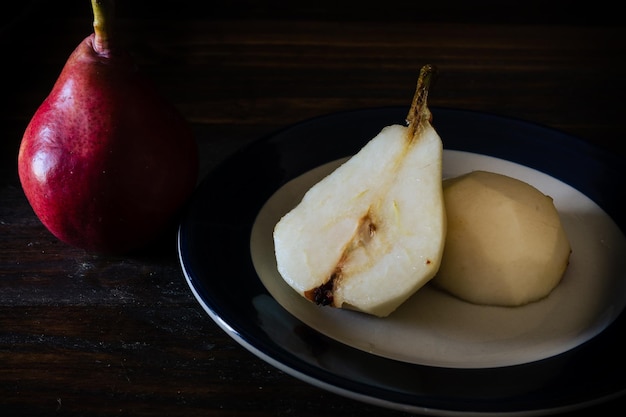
[105, 162]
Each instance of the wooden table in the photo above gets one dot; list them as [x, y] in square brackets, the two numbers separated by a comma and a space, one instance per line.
[88, 334]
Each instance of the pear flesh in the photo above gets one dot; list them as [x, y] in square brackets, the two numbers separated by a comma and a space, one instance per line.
[505, 243]
[371, 233]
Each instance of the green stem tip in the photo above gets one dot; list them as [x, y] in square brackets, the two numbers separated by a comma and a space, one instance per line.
[103, 14]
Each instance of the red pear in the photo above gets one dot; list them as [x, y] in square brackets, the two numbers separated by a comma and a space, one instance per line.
[106, 162]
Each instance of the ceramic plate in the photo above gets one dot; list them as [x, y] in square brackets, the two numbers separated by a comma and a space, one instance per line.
[436, 354]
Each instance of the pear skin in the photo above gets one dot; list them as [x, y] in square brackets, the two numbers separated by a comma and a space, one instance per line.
[106, 162]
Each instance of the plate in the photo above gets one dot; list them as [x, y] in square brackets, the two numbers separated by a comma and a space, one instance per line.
[564, 358]
[437, 329]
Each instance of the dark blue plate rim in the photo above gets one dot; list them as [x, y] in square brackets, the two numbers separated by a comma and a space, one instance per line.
[214, 252]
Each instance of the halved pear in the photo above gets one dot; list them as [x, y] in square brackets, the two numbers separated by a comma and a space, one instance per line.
[371, 233]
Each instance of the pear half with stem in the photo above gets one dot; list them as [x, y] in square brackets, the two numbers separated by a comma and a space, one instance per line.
[371, 233]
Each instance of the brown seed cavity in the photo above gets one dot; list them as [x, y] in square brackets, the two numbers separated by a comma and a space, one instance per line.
[325, 293]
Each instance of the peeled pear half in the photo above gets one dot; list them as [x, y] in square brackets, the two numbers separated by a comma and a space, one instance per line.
[505, 244]
[371, 233]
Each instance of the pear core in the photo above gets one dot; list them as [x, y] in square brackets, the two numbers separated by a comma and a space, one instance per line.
[505, 244]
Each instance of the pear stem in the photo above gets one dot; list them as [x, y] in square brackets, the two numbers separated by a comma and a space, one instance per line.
[103, 14]
[419, 112]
